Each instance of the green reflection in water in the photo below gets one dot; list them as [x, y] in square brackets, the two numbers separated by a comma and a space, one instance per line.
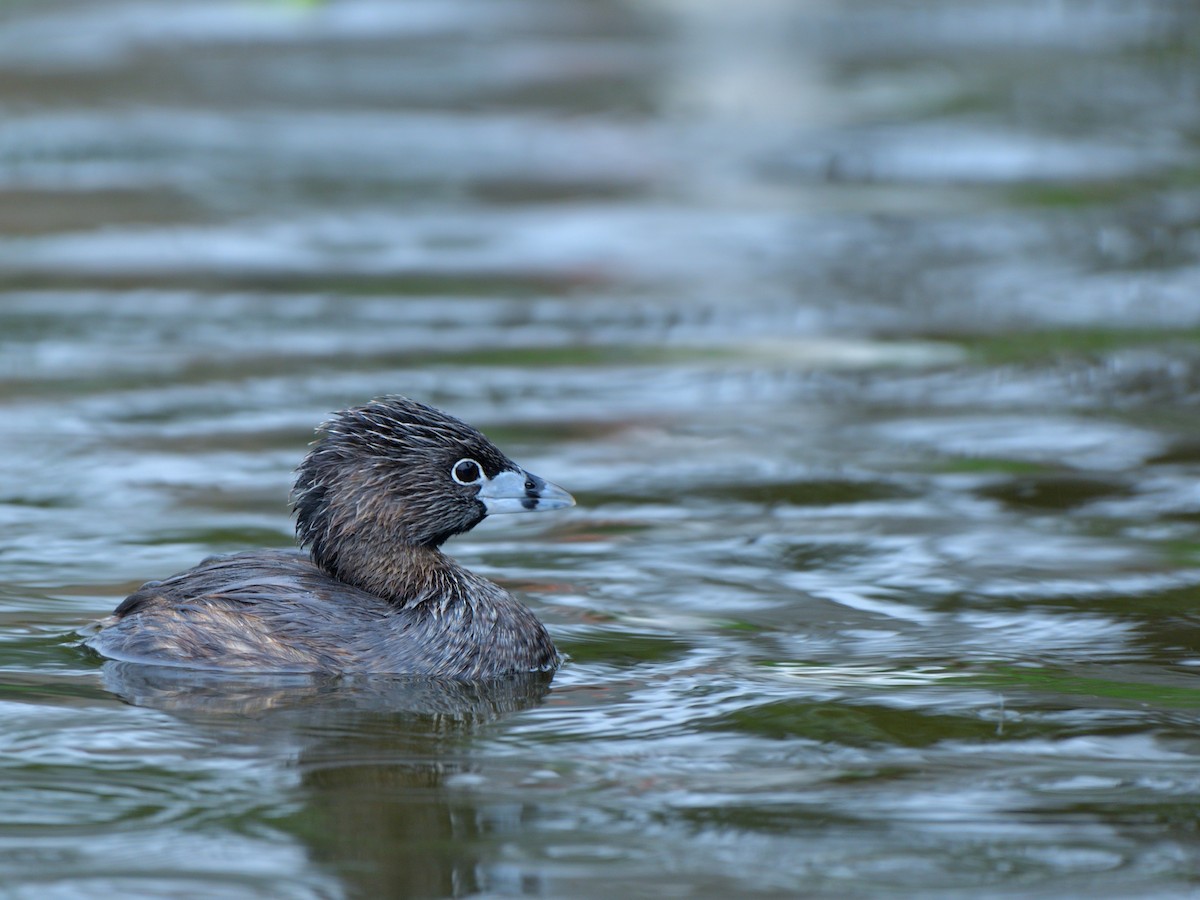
[1038, 346]
[1061, 681]
[860, 725]
[1053, 492]
[992, 464]
[621, 647]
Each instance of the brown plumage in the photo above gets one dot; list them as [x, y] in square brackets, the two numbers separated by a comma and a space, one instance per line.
[376, 496]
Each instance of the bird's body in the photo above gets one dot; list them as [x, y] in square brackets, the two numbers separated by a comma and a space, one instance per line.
[375, 498]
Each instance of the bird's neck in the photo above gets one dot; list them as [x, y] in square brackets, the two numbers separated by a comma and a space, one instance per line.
[405, 575]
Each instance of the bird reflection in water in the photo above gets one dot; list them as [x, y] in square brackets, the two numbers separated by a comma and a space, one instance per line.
[373, 756]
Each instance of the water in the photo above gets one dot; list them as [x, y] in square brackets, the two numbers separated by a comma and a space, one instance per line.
[865, 335]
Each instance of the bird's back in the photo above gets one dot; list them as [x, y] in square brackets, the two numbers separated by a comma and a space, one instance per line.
[276, 611]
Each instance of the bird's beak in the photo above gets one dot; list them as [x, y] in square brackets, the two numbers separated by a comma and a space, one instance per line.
[513, 491]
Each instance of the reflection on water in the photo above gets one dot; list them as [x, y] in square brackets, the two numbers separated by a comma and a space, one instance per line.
[373, 757]
[865, 335]
[193, 692]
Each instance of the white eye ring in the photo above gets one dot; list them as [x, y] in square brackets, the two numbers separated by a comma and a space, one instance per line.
[467, 471]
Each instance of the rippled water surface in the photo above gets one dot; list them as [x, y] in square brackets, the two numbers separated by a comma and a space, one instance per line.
[865, 334]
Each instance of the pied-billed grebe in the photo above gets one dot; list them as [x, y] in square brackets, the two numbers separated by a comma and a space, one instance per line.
[379, 492]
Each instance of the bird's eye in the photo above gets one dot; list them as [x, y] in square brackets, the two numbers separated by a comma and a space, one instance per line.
[467, 471]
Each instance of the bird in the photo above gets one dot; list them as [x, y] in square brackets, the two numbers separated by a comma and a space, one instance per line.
[369, 590]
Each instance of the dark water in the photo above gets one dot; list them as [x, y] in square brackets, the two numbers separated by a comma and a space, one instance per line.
[865, 334]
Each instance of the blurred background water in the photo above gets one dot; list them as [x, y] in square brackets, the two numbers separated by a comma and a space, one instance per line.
[865, 334]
